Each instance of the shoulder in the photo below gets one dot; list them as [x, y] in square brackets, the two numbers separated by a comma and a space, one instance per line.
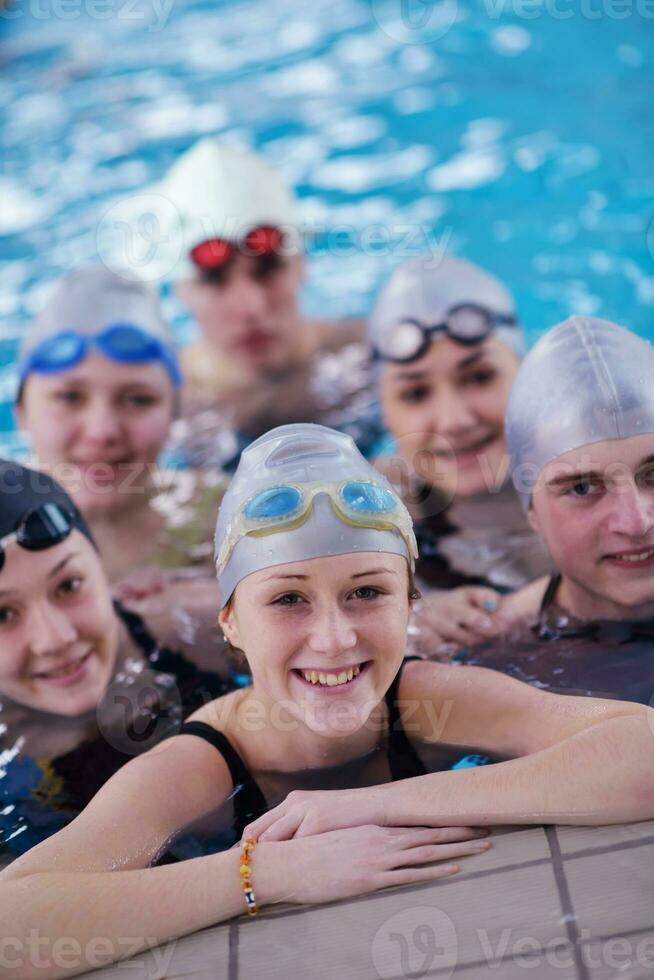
[334, 334]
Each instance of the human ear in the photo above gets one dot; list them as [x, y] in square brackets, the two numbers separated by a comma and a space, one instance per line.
[228, 624]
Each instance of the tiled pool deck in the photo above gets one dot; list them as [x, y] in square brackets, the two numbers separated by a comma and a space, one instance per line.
[557, 902]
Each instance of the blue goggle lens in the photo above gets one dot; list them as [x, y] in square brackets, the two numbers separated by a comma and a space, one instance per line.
[368, 498]
[128, 344]
[273, 503]
[60, 351]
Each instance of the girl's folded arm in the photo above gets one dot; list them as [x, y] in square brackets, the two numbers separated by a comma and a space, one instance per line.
[91, 882]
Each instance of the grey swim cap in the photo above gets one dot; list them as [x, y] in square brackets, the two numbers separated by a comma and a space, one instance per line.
[424, 291]
[299, 454]
[89, 300]
[586, 380]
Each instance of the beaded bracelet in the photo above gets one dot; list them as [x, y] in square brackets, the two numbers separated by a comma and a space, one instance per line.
[246, 883]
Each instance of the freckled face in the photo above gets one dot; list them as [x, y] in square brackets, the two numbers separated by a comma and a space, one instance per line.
[446, 411]
[59, 633]
[324, 636]
[99, 427]
[594, 509]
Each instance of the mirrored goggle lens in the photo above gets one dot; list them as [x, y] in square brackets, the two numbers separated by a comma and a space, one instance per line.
[212, 254]
[127, 343]
[469, 323]
[60, 351]
[368, 498]
[272, 504]
[44, 527]
[402, 342]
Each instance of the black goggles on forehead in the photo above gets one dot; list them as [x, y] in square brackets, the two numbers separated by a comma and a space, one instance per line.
[467, 324]
[40, 528]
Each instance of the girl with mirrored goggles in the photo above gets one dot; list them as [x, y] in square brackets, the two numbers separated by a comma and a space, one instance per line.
[467, 324]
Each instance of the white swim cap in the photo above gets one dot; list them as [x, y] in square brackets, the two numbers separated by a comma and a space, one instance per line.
[220, 192]
[585, 381]
[426, 290]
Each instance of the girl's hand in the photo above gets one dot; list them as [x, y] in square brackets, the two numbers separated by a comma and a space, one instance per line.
[305, 813]
[343, 863]
[462, 616]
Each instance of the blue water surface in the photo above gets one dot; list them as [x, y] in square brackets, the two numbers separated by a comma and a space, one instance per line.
[517, 134]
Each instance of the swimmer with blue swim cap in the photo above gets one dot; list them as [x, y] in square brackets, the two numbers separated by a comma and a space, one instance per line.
[99, 389]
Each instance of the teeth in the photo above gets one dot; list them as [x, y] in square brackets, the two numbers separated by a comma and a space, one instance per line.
[331, 680]
[643, 556]
[63, 671]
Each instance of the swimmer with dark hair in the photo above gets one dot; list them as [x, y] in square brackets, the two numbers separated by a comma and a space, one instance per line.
[83, 680]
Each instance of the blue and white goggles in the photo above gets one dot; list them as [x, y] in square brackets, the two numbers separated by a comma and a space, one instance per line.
[121, 342]
[282, 507]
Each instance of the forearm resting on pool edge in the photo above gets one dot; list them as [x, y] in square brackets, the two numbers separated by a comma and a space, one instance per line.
[603, 774]
[122, 911]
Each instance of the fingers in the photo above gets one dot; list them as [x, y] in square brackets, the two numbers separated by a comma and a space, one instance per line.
[438, 835]
[482, 598]
[258, 827]
[441, 852]
[283, 829]
[413, 876]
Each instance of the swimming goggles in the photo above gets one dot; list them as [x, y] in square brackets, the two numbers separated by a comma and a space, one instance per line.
[466, 323]
[119, 342]
[215, 253]
[282, 507]
[42, 527]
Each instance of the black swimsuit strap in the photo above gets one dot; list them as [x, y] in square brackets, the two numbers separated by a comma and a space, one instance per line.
[249, 801]
[137, 630]
[403, 759]
[550, 592]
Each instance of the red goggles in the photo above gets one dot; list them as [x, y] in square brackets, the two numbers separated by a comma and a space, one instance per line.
[216, 252]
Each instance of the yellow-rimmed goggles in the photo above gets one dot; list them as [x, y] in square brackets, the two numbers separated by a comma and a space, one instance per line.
[281, 507]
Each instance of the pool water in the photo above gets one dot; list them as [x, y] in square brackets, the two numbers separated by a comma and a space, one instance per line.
[509, 132]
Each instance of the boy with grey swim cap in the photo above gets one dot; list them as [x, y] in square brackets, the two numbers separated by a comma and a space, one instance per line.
[580, 429]
[305, 491]
[448, 344]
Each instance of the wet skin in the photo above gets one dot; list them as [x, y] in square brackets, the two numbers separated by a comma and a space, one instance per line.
[249, 313]
[59, 633]
[99, 428]
[321, 616]
[594, 509]
[446, 412]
